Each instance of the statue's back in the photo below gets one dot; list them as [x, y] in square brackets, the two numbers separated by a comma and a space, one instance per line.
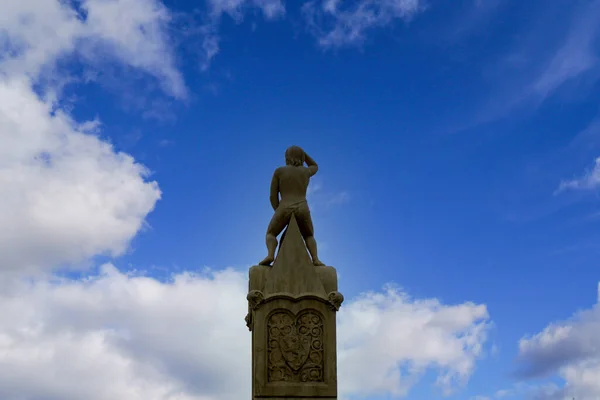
[293, 183]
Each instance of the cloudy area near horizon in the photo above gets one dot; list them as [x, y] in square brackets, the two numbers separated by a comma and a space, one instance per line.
[457, 196]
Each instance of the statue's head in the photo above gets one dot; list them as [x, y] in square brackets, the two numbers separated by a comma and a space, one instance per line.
[294, 155]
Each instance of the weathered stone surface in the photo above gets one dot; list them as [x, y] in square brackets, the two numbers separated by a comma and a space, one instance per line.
[295, 346]
[291, 313]
[287, 358]
[292, 304]
[293, 272]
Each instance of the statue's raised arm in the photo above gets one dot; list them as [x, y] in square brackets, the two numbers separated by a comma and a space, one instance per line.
[288, 196]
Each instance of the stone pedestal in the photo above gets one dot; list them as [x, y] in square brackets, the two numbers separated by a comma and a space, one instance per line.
[292, 309]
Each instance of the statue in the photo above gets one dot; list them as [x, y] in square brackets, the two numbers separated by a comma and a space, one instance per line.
[293, 300]
[291, 182]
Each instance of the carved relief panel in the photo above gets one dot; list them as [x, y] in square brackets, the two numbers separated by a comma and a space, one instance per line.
[295, 346]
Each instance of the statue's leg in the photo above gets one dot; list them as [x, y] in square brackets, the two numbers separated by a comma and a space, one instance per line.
[306, 229]
[279, 221]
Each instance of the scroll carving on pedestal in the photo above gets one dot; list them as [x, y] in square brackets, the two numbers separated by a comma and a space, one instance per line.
[295, 346]
[255, 299]
[336, 299]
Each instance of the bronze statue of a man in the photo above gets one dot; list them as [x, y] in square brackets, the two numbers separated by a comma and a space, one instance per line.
[291, 182]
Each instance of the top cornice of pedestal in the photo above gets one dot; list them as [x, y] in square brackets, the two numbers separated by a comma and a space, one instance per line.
[292, 277]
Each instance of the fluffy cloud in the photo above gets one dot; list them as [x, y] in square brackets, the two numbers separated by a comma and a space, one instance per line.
[335, 24]
[388, 340]
[65, 195]
[589, 180]
[117, 336]
[570, 349]
[35, 35]
[126, 336]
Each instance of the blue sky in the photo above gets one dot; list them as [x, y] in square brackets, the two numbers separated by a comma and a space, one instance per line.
[457, 145]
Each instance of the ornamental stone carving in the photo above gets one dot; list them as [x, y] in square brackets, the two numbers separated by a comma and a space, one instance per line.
[255, 297]
[295, 346]
[336, 299]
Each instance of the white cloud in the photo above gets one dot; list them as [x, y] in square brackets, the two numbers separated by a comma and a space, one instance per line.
[322, 199]
[387, 341]
[125, 336]
[271, 9]
[502, 393]
[554, 52]
[522, 390]
[135, 32]
[576, 55]
[569, 349]
[35, 35]
[336, 25]
[589, 180]
[65, 195]
[236, 8]
[339, 198]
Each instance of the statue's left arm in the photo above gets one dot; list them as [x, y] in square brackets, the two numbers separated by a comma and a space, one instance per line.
[274, 197]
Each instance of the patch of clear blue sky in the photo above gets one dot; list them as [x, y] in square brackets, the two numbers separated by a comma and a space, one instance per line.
[450, 189]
